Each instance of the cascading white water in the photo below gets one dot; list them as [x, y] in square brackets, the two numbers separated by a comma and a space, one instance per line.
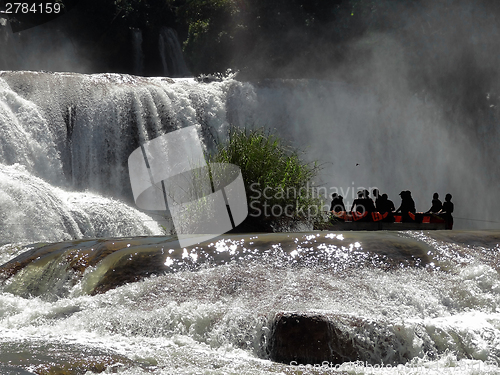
[171, 54]
[79, 138]
[65, 140]
[438, 316]
[33, 211]
[138, 54]
[76, 132]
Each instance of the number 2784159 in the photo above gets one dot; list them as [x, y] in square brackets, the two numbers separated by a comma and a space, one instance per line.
[24, 8]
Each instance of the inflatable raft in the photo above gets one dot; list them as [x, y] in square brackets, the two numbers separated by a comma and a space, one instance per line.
[386, 221]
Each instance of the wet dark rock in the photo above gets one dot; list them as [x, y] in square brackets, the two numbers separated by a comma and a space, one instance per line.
[49, 266]
[134, 267]
[208, 78]
[330, 339]
[46, 358]
[310, 339]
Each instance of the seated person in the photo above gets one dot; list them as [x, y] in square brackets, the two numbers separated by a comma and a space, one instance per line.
[337, 204]
[363, 204]
[407, 205]
[447, 210]
[386, 205]
[368, 203]
[436, 205]
[359, 203]
[377, 197]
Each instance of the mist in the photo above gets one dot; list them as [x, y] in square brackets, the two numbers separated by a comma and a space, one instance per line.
[414, 107]
[48, 47]
[410, 103]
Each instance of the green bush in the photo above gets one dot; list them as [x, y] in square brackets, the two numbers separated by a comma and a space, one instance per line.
[278, 183]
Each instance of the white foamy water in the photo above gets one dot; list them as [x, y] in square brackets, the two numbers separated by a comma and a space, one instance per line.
[76, 132]
[34, 211]
[433, 318]
[64, 144]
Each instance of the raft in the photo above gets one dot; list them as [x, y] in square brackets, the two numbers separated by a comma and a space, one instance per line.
[347, 221]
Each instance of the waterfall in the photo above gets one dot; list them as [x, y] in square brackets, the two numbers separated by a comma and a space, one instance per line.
[137, 50]
[171, 54]
[4, 39]
[63, 155]
[68, 133]
[411, 301]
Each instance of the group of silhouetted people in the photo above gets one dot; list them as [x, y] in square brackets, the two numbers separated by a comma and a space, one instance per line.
[382, 204]
[443, 209]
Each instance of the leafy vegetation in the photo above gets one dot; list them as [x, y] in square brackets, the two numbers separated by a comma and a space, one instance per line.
[278, 183]
[261, 38]
[257, 37]
[209, 26]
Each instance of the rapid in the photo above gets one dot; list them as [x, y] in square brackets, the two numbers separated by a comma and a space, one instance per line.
[428, 301]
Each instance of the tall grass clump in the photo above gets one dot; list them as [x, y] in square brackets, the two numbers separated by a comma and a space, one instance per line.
[278, 183]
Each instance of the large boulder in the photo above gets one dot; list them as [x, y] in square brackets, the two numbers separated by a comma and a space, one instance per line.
[310, 339]
[331, 339]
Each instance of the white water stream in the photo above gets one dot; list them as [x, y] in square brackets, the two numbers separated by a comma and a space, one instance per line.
[65, 139]
[425, 319]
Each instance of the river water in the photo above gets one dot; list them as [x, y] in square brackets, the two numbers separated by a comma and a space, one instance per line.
[429, 300]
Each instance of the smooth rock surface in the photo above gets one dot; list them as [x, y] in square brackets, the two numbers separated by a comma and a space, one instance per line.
[102, 264]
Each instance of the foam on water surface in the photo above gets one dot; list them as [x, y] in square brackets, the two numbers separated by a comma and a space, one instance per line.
[428, 300]
[218, 318]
